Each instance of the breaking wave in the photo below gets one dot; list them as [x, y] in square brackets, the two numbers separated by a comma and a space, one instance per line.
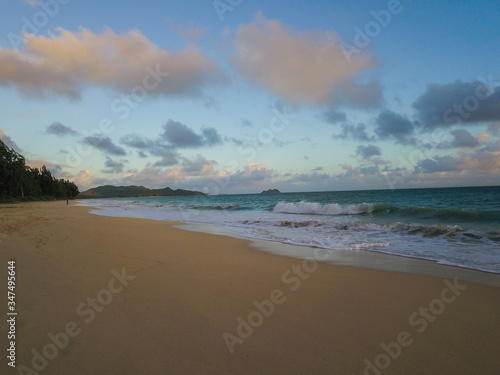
[388, 210]
[319, 209]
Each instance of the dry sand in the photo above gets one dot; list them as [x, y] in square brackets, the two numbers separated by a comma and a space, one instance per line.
[130, 296]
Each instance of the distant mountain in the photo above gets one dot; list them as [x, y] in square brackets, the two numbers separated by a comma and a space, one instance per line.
[271, 191]
[109, 191]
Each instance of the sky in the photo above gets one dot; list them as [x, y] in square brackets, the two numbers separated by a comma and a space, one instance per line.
[240, 96]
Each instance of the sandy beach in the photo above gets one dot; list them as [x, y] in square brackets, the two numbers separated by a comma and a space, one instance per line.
[101, 295]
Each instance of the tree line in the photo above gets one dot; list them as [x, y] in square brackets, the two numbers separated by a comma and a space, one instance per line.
[19, 181]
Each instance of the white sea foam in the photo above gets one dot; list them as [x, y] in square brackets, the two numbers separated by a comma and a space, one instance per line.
[313, 208]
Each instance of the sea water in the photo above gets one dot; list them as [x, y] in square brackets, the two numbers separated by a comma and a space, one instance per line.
[454, 226]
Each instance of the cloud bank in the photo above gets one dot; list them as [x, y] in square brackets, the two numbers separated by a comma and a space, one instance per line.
[458, 102]
[368, 151]
[65, 63]
[392, 125]
[301, 67]
[180, 135]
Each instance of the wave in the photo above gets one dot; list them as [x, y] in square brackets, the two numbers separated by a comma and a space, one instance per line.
[442, 214]
[218, 207]
[313, 208]
[388, 210]
[426, 230]
[448, 232]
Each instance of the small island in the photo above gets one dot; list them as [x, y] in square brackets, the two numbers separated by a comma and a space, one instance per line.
[271, 191]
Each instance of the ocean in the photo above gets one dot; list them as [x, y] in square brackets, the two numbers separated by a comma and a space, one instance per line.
[452, 226]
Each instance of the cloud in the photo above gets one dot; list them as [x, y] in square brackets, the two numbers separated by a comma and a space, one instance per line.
[180, 135]
[494, 128]
[370, 170]
[211, 136]
[151, 177]
[200, 166]
[55, 169]
[245, 122]
[313, 179]
[457, 102]
[113, 166]
[197, 172]
[57, 128]
[136, 141]
[379, 161]
[175, 135]
[355, 132]
[9, 142]
[391, 125]
[65, 63]
[366, 152]
[461, 139]
[438, 164]
[253, 174]
[85, 180]
[301, 67]
[236, 141]
[104, 144]
[169, 156]
[486, 158]
[351, 171]
[333, 117]
[350, 178]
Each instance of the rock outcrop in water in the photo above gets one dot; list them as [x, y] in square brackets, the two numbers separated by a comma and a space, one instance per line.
[271, 191]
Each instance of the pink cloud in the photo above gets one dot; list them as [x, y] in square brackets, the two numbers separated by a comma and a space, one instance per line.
[65, 63]
[302, 67]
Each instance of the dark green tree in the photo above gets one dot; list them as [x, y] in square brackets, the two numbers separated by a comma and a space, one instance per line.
[17, 180]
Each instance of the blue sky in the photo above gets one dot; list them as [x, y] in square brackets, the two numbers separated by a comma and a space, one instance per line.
[231, 96]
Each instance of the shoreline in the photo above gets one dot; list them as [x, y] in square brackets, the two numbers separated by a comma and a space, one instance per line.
[360, 258]
[443, 243]
[141, 296]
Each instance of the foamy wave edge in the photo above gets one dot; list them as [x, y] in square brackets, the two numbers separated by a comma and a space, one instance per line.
[332, 209]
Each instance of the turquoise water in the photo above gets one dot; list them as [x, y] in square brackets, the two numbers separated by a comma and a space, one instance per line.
[456, 226]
